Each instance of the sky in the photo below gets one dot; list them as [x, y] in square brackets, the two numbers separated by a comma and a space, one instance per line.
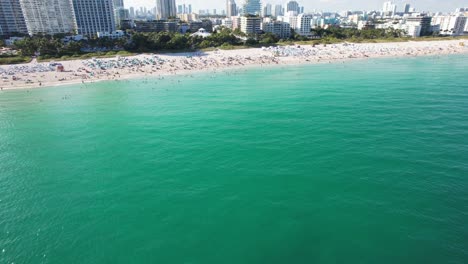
[321, 5]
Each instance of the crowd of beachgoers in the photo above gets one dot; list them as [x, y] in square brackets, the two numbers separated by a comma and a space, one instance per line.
[36, 74]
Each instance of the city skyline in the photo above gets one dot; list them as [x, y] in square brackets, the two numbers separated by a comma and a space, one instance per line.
[320, 5]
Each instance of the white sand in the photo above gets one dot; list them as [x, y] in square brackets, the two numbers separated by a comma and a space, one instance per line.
[33, 75]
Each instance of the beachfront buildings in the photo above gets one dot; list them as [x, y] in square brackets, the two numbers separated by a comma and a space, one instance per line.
[452, 25]
[93, 16]
[419, 26]
[251, 24]
[304, 27]
[48, 16]
[301, 23]
[278, 28]
[11, 18]
[252, 7]
[231, 8]
[165, 9]
[83, 17]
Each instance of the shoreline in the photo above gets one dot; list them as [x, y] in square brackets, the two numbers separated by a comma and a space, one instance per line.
[38, 75]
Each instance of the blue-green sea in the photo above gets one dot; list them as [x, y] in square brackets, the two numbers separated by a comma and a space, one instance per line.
[357, 162]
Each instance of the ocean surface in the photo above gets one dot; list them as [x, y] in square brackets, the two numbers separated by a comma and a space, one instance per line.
[362, 162]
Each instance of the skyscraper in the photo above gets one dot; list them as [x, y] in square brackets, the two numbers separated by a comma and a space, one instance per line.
[293, 6]
[231, 8]
[252, 7]
[120, 13]
[267, 10]
[165, 9]
[278, 10]
[93, 16]
[11, 18]
[389, 8]
[118, 4]
[407, 8]
[48, 16]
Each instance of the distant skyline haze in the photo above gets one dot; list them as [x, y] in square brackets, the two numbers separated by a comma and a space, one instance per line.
[320, 5]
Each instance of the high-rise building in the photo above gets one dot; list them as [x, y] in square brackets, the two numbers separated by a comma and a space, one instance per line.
[389, 8]
[303, 26]
[48, 16]
[452, 25]
[278, 28]
[94, 16]
[231, 8]
[251, 25]
[132, 12]
[120, 13]
[278, 10]
[252, 7]
[290, 18]
[118, 3]
[407, 8]
[165, 9]
[190, 9]
[267, 10]
[11, 18]
[293, 6]
[423, 22]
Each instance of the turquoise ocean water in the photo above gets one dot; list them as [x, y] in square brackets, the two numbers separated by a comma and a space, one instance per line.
[363, 162]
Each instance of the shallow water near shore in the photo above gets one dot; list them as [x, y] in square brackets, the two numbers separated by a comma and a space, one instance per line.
[361, 162]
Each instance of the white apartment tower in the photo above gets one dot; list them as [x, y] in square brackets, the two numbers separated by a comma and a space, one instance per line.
[304, 27]
[165, 9]
[251, 25]
[452, 25]
[48, 16]
[93, 16]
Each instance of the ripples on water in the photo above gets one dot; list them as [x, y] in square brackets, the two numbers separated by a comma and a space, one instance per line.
[363, 162]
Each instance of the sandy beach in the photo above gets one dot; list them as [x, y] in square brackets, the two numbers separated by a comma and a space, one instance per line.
[34, 74]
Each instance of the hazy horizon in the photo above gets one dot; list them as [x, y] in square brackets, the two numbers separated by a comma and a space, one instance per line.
[322, 5]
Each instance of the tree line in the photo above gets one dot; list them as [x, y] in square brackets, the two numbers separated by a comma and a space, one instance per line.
[53, 46]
